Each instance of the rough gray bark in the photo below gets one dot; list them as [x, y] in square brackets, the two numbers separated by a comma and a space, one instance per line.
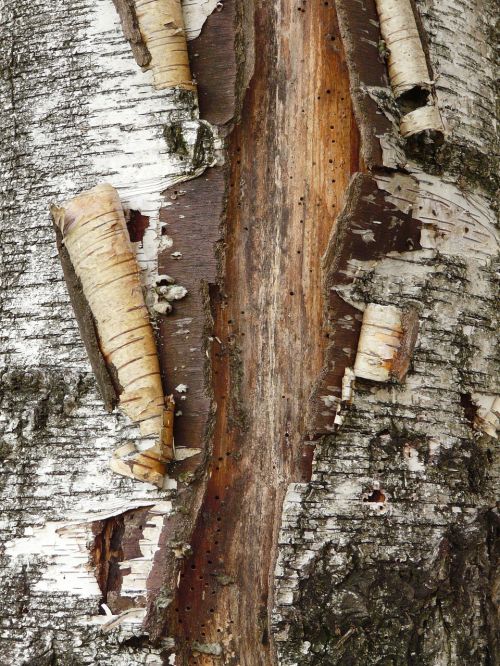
[389, 554]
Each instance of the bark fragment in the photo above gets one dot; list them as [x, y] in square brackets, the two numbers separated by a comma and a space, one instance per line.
[130, 24]
[161, 24]
[406, 57]
[408, 70]
[95, 235]
[384, 346]
[488, 413]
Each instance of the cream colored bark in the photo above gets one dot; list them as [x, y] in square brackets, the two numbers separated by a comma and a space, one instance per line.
[95, 234]
[379, 341]
[162, 28]
[407, 64]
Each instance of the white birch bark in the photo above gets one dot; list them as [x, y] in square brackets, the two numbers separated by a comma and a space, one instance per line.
[388, 555]
[76, 111]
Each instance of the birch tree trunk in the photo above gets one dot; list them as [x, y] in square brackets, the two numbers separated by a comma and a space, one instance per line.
[325, 196]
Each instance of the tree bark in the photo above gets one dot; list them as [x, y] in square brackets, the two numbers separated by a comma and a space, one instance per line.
[329, 206]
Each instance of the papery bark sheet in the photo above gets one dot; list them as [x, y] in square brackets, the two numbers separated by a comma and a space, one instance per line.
[95, 235]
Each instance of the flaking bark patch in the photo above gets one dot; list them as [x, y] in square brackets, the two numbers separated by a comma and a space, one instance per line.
[369, 227]
[386, 343]
[161, 24]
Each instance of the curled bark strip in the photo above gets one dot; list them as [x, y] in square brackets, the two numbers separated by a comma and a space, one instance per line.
[423, 118]
[161, 24]
[406, 57]
[386, 342]
[407, 64]
[487, 417]
[96, 238]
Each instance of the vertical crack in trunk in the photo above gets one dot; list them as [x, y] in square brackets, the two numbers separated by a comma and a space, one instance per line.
[268, 310]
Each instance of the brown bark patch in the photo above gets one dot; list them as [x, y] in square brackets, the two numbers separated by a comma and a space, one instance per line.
[117, 540]
[137, 223]
[213, 60]
[369, 228]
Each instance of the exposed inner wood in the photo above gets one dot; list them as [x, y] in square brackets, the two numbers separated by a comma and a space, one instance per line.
[269, 339]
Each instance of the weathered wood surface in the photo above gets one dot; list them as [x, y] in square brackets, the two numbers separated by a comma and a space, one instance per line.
[268, 338]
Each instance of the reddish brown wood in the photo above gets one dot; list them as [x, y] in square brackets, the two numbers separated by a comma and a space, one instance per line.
[268, 316]
[137, 224]
[194, 222]
[117, 540]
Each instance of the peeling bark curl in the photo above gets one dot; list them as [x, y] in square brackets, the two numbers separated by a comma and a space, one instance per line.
[95, 235]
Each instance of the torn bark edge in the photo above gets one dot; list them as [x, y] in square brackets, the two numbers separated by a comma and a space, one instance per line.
[130, 26]
[388, 337]
[149, 465]
[365, 69]
[381, 142]
[107, 384]
[487, 418]
[367, 208]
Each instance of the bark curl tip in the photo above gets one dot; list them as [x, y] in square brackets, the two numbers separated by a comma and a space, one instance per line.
[96, 238]
[409, 73]
[161, 24]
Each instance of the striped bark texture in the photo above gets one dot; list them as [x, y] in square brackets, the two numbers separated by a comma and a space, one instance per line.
[334, 359]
